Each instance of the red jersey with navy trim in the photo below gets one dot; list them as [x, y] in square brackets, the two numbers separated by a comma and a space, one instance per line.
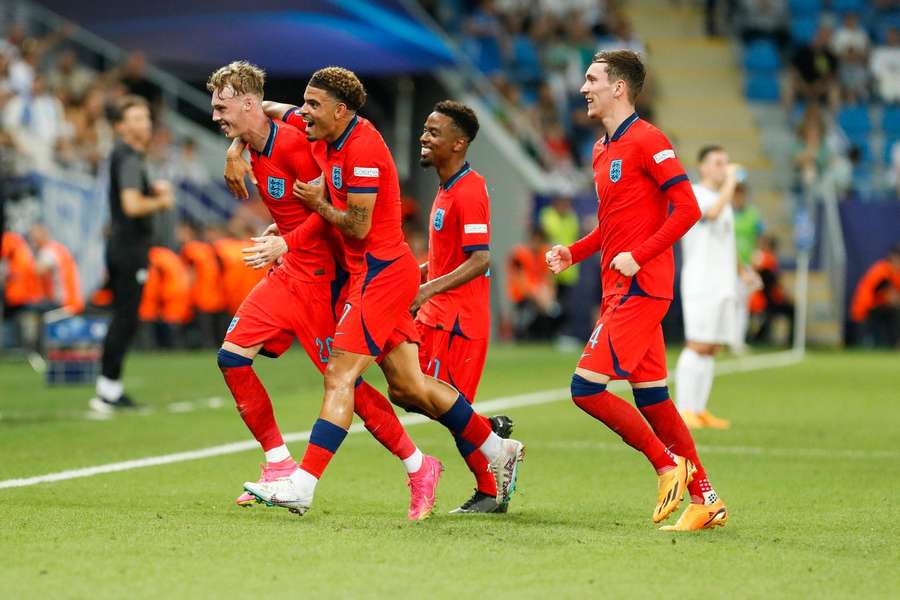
[460, 223]
[359, 162]
[633, 169]
[287, 157]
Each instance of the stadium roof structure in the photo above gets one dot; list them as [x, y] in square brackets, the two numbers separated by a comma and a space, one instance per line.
[286, 37]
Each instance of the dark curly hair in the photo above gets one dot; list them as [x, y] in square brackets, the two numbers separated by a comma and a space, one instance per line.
[342, 84]
[463, 116]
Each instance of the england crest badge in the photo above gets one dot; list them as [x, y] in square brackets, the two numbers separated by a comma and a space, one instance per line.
[615, 170]
[275, 187]
[438, 219]
[336, 178]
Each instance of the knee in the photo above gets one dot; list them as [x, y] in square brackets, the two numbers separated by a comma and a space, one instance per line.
[339, 381]
[582, 388]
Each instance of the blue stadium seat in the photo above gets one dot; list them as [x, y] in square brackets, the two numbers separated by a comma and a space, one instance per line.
[855, 122]
[804, 8]
[526, 61]
[803, 29]
[843, 6]
[485, 51]
[761, 55]
[762, 87]
[890, 121]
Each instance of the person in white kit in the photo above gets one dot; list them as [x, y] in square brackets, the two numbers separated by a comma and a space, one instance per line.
[709, 283]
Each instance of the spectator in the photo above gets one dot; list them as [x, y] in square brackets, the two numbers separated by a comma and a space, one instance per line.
[133, 75]
[813, 72]
[850, 36]
[21, 285]
[811, 152]
[207, 295]
[885, 66]
[58, 273]
[770, 303]
[560, 226]
[876, 302]
[622, 36]
[69, 79]
[37, 121]
[764, 19]
[188, 167]
[531, 290]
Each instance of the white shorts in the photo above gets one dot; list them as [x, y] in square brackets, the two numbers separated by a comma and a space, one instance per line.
[709, 321]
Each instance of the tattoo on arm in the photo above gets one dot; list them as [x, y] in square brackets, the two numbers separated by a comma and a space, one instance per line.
[353, 221]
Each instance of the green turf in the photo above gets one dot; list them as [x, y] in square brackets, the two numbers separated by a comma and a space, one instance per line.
[810, 472]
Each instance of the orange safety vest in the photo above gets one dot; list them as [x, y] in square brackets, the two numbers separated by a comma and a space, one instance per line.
[22, 285]
[167, 291]
[72, 300]
[207, 293]
[237, 278]
[868, 295]
[526, 272]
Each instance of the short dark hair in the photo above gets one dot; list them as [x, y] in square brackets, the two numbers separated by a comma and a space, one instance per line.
[342, 84]
[625, 65]
[707, 150]
[124, 103]
[462, 116]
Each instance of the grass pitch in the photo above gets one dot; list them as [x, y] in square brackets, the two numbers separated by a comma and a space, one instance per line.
[809, 471]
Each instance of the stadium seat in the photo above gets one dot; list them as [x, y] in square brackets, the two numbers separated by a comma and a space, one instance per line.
[890, 121]
[843, 6]
[485, 51]
[762, 87]
[803, 29]
[855, 122]
[526, 62]
[761, 55]
[804, 8]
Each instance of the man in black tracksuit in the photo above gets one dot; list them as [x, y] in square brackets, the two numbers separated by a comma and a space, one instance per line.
[133, 201]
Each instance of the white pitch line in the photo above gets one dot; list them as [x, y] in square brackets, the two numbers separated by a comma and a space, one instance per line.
[766, 361]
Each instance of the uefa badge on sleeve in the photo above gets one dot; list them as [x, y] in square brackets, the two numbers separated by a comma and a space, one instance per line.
[275, 187]
[438, 219]
[615, 170]
[336, 178]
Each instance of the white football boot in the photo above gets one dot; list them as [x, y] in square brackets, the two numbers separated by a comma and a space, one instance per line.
[506, 468]
[283, 492]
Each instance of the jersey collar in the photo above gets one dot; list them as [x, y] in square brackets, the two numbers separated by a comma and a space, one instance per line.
[339, 143]
[270, 142]
[623, 127]
[456, 176]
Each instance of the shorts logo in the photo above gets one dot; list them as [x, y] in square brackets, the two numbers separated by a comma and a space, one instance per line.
[336, 178]
[438, 219]
[275, 187]
[233, 324]
[615, 170]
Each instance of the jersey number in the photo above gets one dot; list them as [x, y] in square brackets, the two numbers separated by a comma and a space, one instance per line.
[595, 336]
[324, 349]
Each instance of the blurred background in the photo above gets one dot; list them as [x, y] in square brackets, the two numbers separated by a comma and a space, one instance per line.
[805, 94]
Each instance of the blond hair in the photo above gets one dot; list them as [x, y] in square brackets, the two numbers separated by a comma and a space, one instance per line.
[243, 77]
[342, 84]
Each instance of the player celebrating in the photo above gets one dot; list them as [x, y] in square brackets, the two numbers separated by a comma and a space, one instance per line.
[295, 298]
[637, 177]
[375, 323]
[709, 283]
[453, 305]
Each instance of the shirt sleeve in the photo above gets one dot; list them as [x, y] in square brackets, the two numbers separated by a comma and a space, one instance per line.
[131, 172]
[660, 161]
[363, 168]
[475, 220]
[292, 117]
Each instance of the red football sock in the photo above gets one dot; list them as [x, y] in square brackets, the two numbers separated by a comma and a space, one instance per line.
[253, 405]
[484, 478]
[669, 426]
[624, 419]
[381, 421]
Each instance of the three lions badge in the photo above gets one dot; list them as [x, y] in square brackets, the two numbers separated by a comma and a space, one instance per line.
[615, 170]
[275, 187]
[438, 219]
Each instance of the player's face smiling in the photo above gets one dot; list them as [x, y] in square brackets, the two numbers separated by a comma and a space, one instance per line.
[226, 111]
[597, 90]
[436, 140]
[318, 111]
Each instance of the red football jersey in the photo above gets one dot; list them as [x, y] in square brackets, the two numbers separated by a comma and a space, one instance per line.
[286, 158]
[633, 169]
[460, 224]
[359, 161]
